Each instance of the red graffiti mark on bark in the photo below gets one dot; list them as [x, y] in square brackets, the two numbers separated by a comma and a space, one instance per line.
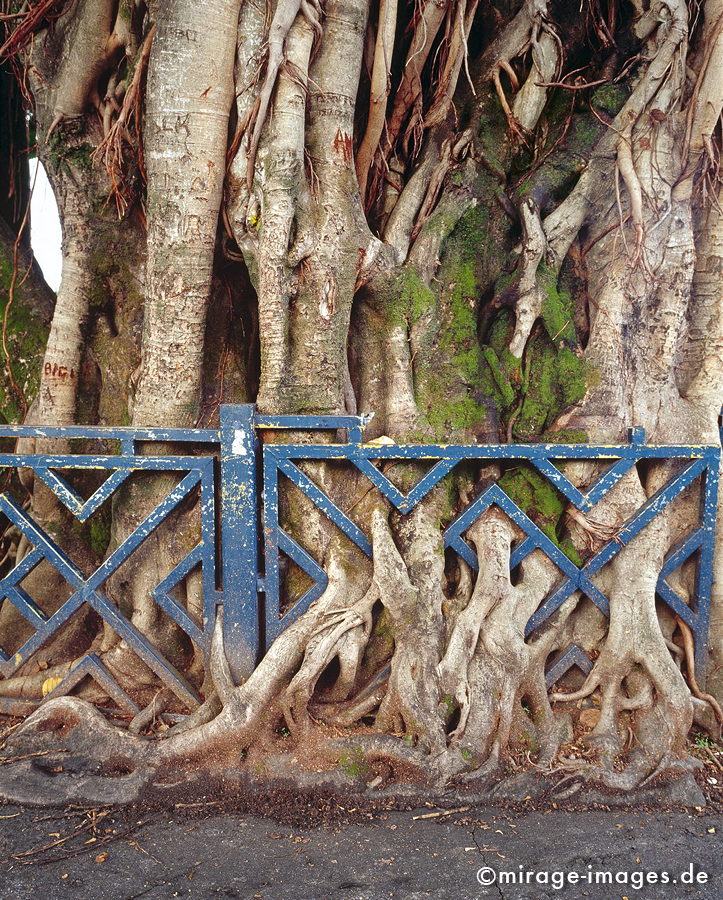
[56, 371]
[343, 145]
[361, 260]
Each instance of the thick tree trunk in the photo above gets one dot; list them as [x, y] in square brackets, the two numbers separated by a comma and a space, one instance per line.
[484, 222]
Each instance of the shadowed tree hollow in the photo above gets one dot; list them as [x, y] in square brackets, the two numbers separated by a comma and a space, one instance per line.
[486, 222]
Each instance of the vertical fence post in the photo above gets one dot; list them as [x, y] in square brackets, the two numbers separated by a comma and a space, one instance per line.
[239, 538]
[706, 574]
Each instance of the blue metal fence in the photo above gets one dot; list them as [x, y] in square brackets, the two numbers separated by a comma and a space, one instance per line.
[241, 565]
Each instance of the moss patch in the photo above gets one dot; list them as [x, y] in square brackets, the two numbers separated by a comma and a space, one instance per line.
[353, 764]
[99, 532]
[532, 392]
[610, 98]
[406, 297]
[538, 499]
[452, 355]
[567, 161]
[26, 337]
[64, 147]
[535, 496]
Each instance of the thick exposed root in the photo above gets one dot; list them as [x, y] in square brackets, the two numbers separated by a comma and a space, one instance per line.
[413, 597]
[528, 294]
[646, 708]
[68, 751]
[383, 758]
[323, 648]
[457, 685]
[446, 706]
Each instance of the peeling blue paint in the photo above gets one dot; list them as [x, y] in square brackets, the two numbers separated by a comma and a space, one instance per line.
[247, 482]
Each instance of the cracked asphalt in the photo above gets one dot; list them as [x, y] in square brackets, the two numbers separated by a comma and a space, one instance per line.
[202, 850]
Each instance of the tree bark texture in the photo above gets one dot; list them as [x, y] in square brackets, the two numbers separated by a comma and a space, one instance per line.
[487, 222]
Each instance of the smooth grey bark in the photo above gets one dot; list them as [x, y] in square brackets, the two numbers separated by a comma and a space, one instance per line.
[389, 249]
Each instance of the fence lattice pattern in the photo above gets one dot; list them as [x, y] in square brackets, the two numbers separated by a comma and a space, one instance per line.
[241, 550]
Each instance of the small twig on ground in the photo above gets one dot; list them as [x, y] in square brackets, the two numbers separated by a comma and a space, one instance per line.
[5, 761]
[67, 814]
[33, 850]
[8, 731]
[202, 803]
[27, 857]
[714, 758]
[91, 848]
[442, 812]
[137, 846]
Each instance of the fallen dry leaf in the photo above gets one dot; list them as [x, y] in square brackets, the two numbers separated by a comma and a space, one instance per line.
[49, 684]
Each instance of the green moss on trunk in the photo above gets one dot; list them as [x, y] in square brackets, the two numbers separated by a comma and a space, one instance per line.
[448, 363]
[27, 332]
[541, 502]
[532, 392]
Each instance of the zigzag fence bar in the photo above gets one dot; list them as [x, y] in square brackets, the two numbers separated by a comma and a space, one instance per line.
[240, 555]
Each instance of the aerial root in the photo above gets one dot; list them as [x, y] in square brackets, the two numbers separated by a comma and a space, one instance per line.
[626, 169]
[689, 650]
[218, 662]
[312, 12]
[593, 533]
[286, 12]
[591, 683]
[117, 134]
[512, 122]
[154, 710]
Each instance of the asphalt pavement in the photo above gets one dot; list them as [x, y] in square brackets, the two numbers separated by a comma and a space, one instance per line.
[332, 848]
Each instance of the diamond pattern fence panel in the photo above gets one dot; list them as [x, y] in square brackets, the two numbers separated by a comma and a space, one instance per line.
[243, 548]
